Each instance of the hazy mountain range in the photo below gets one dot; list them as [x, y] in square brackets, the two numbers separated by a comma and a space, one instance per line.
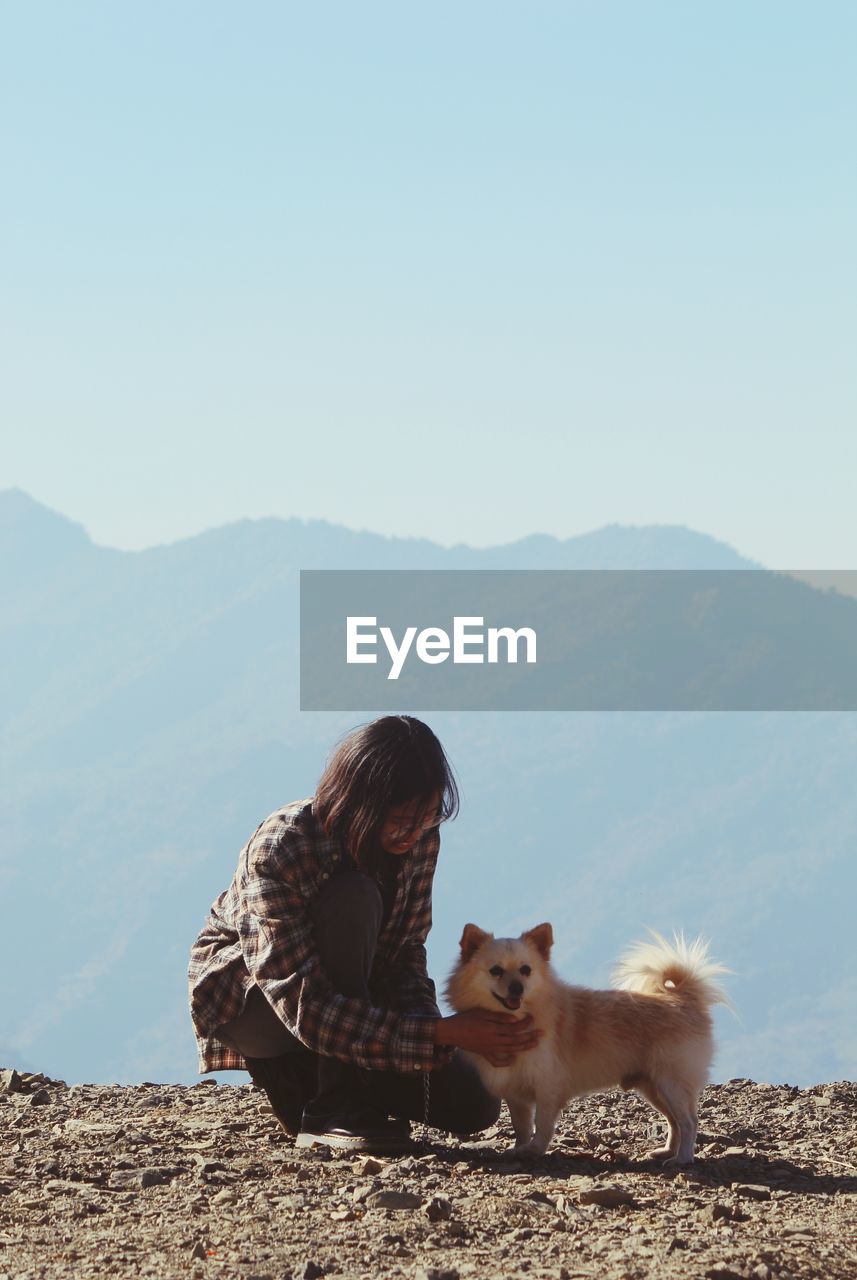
[149, 721]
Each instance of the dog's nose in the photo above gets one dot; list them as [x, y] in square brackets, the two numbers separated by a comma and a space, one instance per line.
[516, 988]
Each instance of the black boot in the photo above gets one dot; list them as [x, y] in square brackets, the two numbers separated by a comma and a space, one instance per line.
[289, 1081]
[341, 1114]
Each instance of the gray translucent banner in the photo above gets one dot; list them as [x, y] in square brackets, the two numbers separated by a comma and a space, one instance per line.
[578, 640]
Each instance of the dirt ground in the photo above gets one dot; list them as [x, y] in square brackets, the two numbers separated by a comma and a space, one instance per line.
[198, 1182]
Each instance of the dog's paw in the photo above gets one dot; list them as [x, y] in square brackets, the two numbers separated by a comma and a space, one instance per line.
[676, 1162]
[525, 1155]
[659, 1153]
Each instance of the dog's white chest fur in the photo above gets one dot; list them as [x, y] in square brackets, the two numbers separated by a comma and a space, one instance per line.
[526, 1076]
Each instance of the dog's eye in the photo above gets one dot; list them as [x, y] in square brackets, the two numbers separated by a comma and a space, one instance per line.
[525, 971]
[496, 971]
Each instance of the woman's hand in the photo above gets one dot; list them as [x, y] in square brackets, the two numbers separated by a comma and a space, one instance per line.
[499, 1037]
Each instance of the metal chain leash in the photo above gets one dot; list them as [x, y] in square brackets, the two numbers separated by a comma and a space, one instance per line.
[426, 1103]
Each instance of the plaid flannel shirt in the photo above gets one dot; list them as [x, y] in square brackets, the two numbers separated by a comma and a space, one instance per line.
[259, 931]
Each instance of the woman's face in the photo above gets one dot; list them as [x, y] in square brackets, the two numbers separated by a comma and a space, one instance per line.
[406, 822]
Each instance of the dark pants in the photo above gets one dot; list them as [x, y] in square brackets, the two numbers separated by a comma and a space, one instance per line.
[347, 916]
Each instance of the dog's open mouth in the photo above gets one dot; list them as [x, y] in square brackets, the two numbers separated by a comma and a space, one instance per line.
[510, 1002]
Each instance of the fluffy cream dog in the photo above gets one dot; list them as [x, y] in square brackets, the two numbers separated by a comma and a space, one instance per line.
[652, 1034]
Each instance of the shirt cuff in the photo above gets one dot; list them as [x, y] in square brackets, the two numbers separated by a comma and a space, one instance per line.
[418, 1051]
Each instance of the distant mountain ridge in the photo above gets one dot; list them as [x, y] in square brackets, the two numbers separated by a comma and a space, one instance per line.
[26, 523]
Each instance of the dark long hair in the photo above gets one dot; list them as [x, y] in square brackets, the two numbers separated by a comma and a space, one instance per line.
[376, 766]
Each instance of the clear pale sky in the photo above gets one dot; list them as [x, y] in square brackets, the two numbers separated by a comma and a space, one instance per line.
[462, 270]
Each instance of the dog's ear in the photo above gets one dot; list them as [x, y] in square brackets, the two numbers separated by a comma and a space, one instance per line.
[472, 939]
[541, 938]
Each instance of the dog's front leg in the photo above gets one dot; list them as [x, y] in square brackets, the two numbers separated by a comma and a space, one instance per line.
[523, 1114]
[547, 1114]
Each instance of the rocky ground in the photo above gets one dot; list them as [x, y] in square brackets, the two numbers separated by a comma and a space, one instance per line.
[167, 1180]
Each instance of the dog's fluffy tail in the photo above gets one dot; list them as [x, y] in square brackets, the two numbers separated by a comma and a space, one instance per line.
[679, 968]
